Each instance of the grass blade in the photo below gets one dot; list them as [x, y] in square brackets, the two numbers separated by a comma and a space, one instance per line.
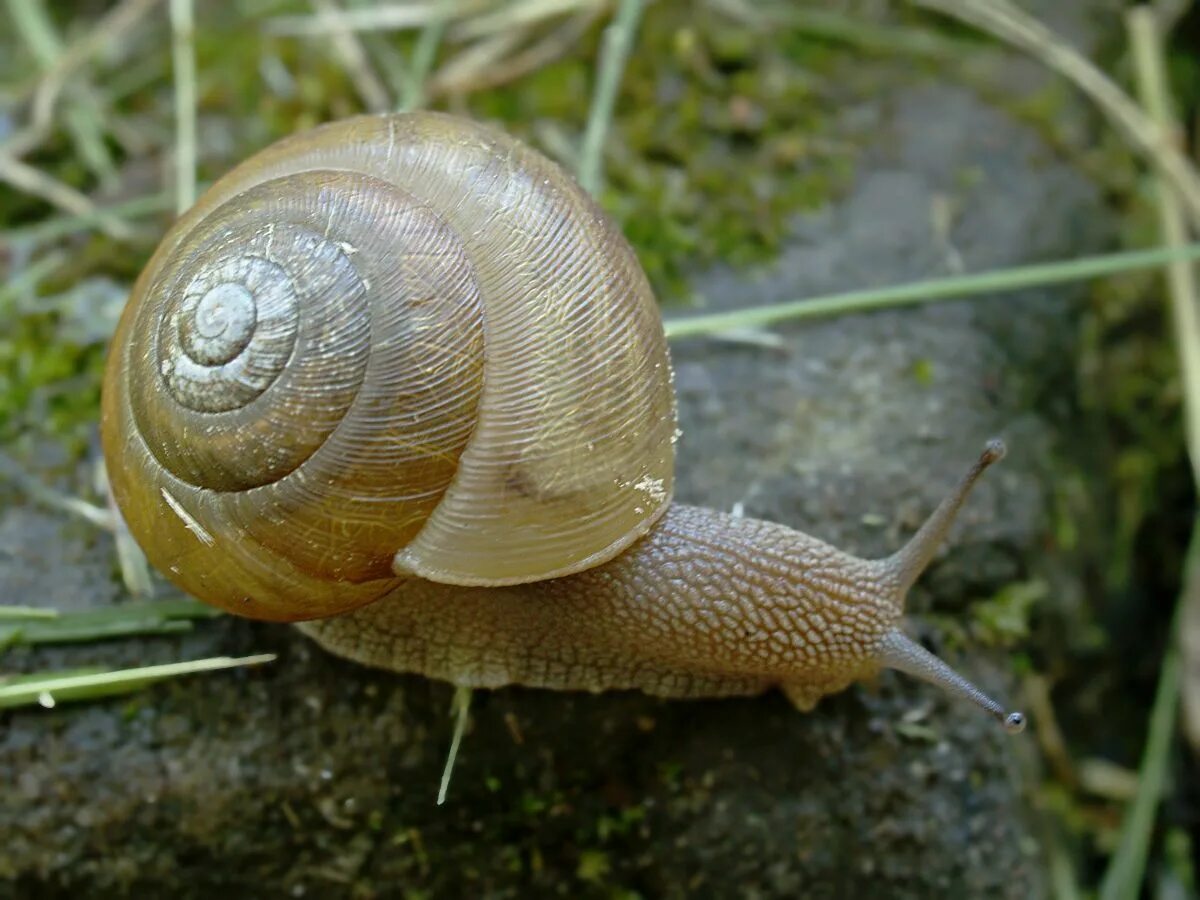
[124, 620]
[52, 689]
[27, 612]
[618, 40]
[932, 290]
[1127, 869]
[1123, 879]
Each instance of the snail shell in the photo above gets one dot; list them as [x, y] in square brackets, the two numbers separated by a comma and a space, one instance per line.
[405, 359]
[391, 346]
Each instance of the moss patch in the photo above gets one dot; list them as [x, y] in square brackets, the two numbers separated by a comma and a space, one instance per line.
[722, 133]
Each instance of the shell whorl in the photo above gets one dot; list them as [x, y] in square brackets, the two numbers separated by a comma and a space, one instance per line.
[267, 334]
[400, 345]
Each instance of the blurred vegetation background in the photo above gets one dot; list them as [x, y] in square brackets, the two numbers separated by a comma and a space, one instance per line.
[113, 115]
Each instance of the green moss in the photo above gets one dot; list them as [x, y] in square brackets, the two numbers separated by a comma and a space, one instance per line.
[1043, 107]
[1180, 860]
[593, 866]
[670, 775]
[1004, 619]
[47, 385]
[532, 805]
[923, 371]
[621, 823]
[1133, 391]
[721, 135]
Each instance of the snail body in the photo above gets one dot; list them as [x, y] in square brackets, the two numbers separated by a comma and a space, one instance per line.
[400, 379]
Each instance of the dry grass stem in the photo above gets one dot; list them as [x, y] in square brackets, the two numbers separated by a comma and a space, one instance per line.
[131, 560]
[523, 14]
[353, 58]
[473, 63]
[1037, 697]
[1126, 870]
[109, 31]
[11, 471]
[34, 181]
[82, 115]
[383, 17]
[57, 227]
[183, 65]
[466, 73]
[1169, 12]
[1181, 276]
[1146, 37]
[24, 282]
[1005, 21]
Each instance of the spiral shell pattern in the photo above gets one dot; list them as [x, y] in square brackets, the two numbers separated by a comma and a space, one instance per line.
[394, 346]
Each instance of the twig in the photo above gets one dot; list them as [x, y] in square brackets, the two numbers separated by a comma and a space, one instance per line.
[1004, 20]
[933, 290]
[183, 65]
[618, 40]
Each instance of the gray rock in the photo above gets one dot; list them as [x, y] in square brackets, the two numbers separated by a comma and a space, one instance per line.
[314, 777]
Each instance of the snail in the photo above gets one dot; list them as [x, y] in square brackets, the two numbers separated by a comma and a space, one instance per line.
[399, 379]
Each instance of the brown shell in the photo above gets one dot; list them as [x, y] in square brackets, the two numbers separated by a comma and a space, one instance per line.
[391, 346]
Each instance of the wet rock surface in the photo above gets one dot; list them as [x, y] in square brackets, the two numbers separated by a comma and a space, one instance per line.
[313, 777]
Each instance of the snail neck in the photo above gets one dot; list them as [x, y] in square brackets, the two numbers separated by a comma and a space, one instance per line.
[704, 605]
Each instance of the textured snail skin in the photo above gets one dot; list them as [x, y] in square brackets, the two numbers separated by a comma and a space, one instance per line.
[705, 605]
[401, 377]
